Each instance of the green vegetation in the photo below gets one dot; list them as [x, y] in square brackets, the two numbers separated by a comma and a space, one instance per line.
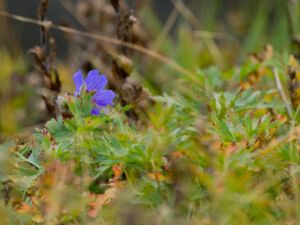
[191, 138]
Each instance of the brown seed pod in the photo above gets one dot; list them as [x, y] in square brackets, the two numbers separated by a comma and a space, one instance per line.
[294, 87]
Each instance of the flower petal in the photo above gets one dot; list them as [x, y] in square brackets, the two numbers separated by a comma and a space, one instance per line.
[94, 81]
[95, 111]
[79, 81]
[104, 97]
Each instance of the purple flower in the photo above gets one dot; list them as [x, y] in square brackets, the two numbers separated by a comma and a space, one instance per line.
[95, 83]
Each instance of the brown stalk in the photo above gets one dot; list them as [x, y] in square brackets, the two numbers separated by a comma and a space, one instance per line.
[44, 57]
[130, 91]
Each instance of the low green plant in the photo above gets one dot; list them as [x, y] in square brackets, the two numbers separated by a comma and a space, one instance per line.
[209, 154]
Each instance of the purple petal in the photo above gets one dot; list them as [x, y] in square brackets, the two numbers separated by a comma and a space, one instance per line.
[79, 81]
[94, 81]
[104, 97]
[95, 111]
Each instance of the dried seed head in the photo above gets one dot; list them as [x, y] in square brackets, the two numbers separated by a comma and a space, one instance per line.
[43, 8]
[294, 86]
[131, 90]
[39, 53]
[125, 64]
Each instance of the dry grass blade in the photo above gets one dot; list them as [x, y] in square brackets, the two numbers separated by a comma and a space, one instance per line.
[282, 93]
[188, 74]
[192, 19]
[185, 11]
[166, 29]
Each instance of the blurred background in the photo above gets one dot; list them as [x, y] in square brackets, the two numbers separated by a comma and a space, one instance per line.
[193, 33]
